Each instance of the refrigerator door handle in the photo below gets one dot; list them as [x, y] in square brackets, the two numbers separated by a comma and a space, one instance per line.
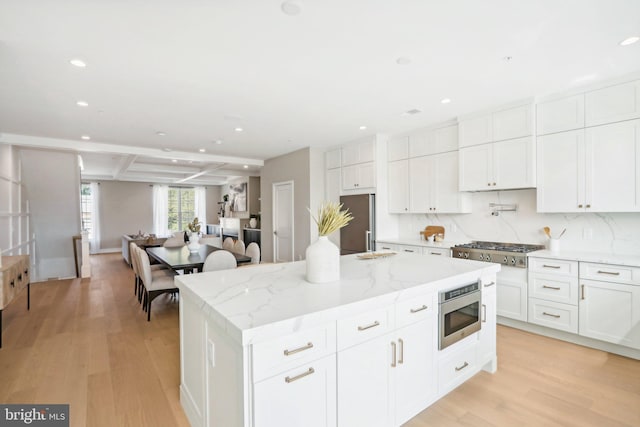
[368, 240]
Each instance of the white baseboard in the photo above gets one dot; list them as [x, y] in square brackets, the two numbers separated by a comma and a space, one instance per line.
[106, 251]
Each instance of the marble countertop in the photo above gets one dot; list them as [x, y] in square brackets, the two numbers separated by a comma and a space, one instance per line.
[261, 302]
[419, 242]
[604, 258]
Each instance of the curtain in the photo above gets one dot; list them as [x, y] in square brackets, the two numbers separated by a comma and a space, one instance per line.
[161, 210]
[200, 205]
[94, 242]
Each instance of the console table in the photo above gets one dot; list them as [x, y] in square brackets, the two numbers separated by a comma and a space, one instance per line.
[14, 275]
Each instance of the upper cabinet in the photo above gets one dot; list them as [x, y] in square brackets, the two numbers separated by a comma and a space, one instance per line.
[560, 115]
[613, 104]
[497, 150]
[398, 148]
[361, 152]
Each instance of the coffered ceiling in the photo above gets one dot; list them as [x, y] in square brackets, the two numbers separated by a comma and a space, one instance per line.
[216, 85]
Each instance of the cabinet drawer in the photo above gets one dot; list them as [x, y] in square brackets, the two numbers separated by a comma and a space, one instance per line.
[553, 266]
[363, 327]
[415, 309]
[381, 246]
[553, 315]
[9, 283]
[457, 366]
[410, 249]
[610, 273]
[551, 287]
[445, 252]
[272, 357]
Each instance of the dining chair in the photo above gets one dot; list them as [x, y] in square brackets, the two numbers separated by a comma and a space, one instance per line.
[135, 264]
[253, 251]
[238, 247]
[228, 244]
[175, 241]
[155, 282]
[219, 260]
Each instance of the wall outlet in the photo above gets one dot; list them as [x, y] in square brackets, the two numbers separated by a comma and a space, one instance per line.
[587, 233]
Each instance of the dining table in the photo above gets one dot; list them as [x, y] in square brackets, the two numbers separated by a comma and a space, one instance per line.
[180, 258]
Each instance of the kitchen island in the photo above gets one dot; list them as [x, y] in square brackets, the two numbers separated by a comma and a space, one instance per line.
[260, 346]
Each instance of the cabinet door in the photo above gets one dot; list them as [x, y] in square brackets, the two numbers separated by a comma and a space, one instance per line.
[512, 123]
[610, 312]
[512, 299]
[514, 164]
[350, 177]
[332, 159]
[612, 167]
[398, 186]
[398, 148]
[475, 168]
[304, 396]
[366, 175]
[445, 139]
[421, 143]
[487, 335]
[420, 184]
[475, 131]
[561, 172]
[445, 193]
[366, 151]
[613, 104]
[350, 155]
[363, 389]
[560, 115]
[416, 381]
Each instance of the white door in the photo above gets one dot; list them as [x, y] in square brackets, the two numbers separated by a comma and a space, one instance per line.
[283, 222]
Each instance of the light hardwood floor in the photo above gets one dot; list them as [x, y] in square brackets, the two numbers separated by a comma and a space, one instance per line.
[87, 343]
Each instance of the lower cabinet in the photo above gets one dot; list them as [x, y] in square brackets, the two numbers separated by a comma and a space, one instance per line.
[512, 299]
[487, 334]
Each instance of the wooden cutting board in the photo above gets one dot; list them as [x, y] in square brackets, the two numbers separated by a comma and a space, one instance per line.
[431, 230]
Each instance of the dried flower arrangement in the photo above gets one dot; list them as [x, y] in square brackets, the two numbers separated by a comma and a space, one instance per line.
[331, 218]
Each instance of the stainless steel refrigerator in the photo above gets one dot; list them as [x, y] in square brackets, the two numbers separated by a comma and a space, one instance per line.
[360, 234]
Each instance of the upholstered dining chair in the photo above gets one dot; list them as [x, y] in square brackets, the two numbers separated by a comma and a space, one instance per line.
[238, 247]
[155, 282]
[219, 260]
[253, 251]
[175, 241]
[228, 244]
[137, 284]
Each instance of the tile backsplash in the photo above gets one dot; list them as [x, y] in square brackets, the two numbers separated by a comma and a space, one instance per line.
[617, 233]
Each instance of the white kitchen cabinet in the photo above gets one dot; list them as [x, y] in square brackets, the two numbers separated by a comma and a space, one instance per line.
[592, 170]
[613, 104]
[610, 312]
[500, 165]
[385, 247]
[512, 293]
[306, 396]
[420, 174]
[475, 131]
[433, 185]
[421, 142]
[411, 249]
[457, 364]
[444, 252]
[435, 140]
[487, 335]
[361, 152]
[359, 176]
[560, 115]
[512, 123]
[398, 148]
[563, 317]
[445, 139]
[398, 186]
[332, 159]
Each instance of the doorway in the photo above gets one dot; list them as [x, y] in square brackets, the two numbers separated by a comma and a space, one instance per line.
[283, 221]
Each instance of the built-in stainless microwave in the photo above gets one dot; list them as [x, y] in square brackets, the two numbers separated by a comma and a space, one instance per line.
[459, 313]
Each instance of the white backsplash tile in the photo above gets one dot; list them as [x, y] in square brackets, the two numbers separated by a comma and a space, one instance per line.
[616, 233]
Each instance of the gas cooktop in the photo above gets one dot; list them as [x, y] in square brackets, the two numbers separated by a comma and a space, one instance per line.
[511, 254]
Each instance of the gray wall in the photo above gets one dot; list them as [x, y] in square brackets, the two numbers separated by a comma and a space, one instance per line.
[52, 186]
[213, 197]
[294, 167]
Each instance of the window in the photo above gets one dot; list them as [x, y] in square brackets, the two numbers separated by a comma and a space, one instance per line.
[182, 208]
[87, 209]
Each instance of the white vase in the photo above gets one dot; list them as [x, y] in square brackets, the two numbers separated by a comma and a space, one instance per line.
[323, 261]
[253, 223]
[194, 244]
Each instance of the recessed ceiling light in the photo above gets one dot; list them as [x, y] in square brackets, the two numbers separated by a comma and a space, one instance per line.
[174, 160]
[363, 127]
[78, 63]
[403, 60]
[239, 129]
[630, 40]
[160, 133]
[82, 104]
[246, 166]
[167, 149]
[202, 150]
[445, 101]
[290, 8]
[85, 137]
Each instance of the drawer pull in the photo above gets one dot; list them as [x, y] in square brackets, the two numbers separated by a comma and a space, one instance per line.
[458, 369]
[299, 349]
[550, 266]
[384, 247]
[557, 316]
[297, 377]
[551, 287]
[416, 310]
[408, 250]
[582, 291]
[373, 325]
[393, 354]
[489, 284]
[613, 273]
[401, 360]
[435, 253]
[484, 313]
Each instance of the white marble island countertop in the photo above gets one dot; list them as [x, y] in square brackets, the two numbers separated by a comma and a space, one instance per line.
[260, 302]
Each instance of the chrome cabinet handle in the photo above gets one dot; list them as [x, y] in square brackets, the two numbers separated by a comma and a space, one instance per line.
[416, 310]
[550, 266]
[551, 315]
[435, 253]
[299, 349]
[367, 243]
[393, 354]
[489, 284]
[484, 313]
[582, 291]
[613, 273]
[373, 325]
[551, 287]
[408, 250]
[462, 367]
[297, 377]
[401, 359]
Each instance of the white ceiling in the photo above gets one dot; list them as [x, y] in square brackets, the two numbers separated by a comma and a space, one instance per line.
[196, 70]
